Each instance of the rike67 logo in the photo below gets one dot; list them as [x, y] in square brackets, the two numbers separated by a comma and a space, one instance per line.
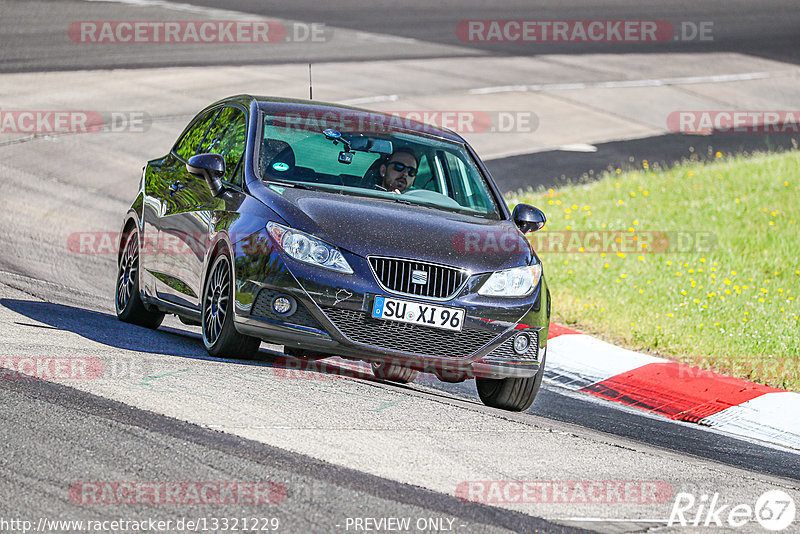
[774, 510]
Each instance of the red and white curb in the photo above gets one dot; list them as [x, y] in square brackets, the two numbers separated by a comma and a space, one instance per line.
[680, 392]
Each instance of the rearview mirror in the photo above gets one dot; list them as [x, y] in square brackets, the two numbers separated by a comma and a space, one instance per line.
[210, 167]
[381, 146]
[370, 144]
[528, 219]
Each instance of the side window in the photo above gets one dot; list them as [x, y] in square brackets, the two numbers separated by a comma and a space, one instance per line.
[469, 190]
[457, 177]
[186, 147]
[425, 178]
[227, 137]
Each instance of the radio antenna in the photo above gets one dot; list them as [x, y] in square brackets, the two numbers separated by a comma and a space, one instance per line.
[310, 90]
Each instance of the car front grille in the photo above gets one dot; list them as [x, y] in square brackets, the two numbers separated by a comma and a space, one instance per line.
[506, 349]
[360, 328]
[417, 278]
[262, 307]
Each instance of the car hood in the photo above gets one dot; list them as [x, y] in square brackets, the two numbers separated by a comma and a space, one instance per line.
[369, 226]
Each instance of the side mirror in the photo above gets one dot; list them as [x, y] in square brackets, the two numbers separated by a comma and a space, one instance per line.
[210, 167]
[528, 218]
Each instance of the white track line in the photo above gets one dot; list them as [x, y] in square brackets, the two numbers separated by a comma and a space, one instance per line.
[370, 100]
[212, 12]
[655, 82]
[176, 6]
[772, 417]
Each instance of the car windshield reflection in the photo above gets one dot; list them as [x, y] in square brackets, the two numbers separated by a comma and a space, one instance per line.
[397, 166]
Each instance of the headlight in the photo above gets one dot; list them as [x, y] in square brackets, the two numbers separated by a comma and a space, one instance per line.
[517, 282]
[308, 249]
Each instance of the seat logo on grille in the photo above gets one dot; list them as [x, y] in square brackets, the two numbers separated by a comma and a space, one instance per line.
[419, 277]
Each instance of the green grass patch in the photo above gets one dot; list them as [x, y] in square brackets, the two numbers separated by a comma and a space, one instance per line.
[731, 307]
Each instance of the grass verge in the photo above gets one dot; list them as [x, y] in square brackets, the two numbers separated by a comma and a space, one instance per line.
[699, 263]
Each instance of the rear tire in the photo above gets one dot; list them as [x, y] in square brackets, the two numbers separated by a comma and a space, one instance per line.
[128, 300]
[219, 335]
[512, 394]
[393, 372]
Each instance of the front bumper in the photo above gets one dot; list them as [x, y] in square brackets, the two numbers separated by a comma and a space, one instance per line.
[354, 334]
[333, 316]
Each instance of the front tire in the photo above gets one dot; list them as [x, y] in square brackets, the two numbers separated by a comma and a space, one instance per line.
[128, 300]
[512, 394]
[219, 335]
[393, 372]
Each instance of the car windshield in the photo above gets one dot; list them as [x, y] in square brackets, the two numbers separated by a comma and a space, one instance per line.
[357, 161]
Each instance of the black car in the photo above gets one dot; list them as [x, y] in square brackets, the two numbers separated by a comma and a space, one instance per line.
[338, 231]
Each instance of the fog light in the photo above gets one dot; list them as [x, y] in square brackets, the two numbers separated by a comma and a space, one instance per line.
[521, 343]
[283, 305]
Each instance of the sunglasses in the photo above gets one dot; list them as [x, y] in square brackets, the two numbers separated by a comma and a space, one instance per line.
[400, 167]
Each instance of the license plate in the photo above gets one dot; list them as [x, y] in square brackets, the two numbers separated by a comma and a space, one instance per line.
[405, 311]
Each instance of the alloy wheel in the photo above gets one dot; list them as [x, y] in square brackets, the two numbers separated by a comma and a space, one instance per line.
[215, 306]
[128, 269]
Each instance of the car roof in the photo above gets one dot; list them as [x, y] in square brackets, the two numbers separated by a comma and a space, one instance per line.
[273, 104]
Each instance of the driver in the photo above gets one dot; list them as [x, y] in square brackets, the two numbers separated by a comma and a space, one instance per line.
[399, 171]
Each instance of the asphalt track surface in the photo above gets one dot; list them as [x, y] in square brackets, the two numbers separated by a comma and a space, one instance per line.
[55, 434]
[553, 403]
[770, 30]
[553, 168]
[34, 38]
[78, 436]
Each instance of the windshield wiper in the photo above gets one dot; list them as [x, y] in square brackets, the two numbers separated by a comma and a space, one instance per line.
[462, 211]
[410, 203]
[296, 185]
